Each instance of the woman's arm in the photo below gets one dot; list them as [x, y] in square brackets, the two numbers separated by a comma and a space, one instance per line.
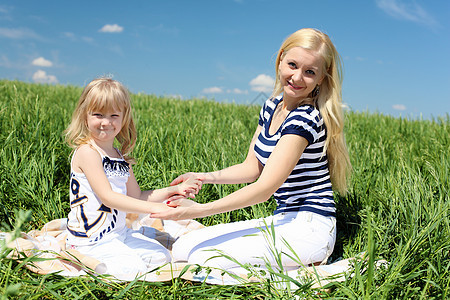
[245, 172]
[278, 167]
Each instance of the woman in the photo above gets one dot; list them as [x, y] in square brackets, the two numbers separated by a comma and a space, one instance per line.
[297, 154]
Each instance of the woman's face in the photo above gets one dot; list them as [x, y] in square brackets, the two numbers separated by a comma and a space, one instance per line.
[300, 71]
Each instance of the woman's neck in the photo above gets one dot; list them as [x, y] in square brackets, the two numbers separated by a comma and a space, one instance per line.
[292, 103]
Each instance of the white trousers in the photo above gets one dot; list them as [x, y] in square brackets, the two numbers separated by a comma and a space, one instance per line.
[311, 238]
[128, 254]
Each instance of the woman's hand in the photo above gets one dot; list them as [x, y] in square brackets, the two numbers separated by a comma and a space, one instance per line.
[179, 209]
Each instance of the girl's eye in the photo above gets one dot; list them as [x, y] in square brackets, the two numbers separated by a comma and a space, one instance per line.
[97, 114]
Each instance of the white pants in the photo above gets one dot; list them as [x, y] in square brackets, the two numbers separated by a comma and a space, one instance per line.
[309, 235]
[128, 254]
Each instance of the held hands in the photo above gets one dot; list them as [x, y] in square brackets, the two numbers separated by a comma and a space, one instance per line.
[179, 208]
[187, 185]
[188, 176]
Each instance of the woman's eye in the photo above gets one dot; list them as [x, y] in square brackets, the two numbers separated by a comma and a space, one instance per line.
[292, 65]
[310, 72]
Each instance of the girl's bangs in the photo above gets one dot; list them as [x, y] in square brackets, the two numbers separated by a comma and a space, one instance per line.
[105, 103]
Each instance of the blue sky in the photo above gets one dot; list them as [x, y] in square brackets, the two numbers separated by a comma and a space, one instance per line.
[395, 52]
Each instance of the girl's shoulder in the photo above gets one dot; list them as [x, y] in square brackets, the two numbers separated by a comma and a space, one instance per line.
[83, 156]
[85, 151]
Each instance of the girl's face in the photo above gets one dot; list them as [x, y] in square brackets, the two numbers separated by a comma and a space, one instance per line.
[104, 126]
[300, 71]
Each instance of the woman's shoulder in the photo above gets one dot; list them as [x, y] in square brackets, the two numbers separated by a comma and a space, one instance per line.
[306, 116]
[271, 103]
[306, 111]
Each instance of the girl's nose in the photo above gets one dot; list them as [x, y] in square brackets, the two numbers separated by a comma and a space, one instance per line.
[106, 121]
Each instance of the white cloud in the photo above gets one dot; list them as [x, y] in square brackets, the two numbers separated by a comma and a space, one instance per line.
[18, 33]
[4, 9]
[4, 61]
[399, 107]
[42, 77]
[410, 11]
[212, 90]
[111, 28]
[164, 29]
[262, 83]
[68, 34]
[87, 39]
[237, 91]
[42, 62]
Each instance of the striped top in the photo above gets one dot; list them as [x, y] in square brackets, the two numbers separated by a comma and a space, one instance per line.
[308, 187]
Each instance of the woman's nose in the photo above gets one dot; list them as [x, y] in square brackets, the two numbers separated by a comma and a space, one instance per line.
[297, 76]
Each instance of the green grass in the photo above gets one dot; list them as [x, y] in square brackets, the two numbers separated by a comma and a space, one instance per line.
[397, 208]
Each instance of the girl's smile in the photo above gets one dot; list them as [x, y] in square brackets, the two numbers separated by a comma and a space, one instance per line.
[105, 126]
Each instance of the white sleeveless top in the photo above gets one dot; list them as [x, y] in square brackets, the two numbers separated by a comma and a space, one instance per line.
[89, 220]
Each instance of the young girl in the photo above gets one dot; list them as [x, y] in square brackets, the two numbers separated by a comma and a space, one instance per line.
[103, 187]
[297, 154]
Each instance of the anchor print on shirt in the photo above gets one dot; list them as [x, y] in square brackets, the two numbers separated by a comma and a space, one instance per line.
[88, 227]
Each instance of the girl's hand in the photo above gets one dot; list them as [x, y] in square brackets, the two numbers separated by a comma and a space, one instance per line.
[189, 187]
[185, 177]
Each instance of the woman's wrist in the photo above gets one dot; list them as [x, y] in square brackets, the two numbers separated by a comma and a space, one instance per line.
[207, 178]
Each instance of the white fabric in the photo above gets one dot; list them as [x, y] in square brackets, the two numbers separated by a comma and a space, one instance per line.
[311, 236]
[128, 255]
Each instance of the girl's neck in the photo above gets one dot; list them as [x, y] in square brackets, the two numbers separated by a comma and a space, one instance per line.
[106, 148]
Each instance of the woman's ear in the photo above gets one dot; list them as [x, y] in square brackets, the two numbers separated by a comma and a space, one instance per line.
[321, 79]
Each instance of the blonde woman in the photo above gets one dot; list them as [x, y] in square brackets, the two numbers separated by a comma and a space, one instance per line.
[297, 154]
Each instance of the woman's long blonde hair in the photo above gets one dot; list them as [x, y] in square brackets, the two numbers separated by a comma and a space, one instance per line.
[103, 94]
[328, 100]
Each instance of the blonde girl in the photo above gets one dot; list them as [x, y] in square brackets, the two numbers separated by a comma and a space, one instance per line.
[297, 154]
[103, 187]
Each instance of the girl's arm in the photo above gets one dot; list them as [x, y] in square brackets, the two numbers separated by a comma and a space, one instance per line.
[278, 167]
[187, 188]
[89, 161]
[245, 172]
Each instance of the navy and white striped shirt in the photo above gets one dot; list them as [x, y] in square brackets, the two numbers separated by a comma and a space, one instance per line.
[308, 187]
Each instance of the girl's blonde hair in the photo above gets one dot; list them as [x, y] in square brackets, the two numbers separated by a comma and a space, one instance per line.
[103, 94]
[328, 100]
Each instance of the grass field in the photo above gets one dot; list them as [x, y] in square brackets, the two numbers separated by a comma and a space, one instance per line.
[397, 208]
